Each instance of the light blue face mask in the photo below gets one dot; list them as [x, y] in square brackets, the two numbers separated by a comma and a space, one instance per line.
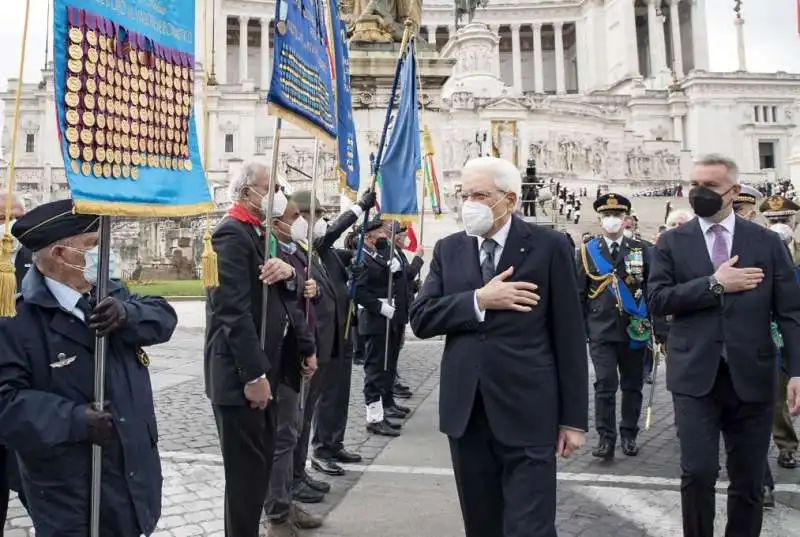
[92, 264]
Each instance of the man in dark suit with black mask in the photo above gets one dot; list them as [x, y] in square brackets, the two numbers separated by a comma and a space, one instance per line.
[514, 380]
[723, 279]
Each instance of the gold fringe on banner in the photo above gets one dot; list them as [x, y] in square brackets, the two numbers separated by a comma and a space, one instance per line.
[8, 278]
[301, 123]
[110, 208]
[209, 266]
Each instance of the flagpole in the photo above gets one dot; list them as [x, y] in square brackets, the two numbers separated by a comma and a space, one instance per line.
[310, 253]
[273, 177]
[390, 291]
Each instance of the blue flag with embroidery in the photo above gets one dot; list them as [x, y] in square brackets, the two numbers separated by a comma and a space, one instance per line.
[346, 129]
[402, 160]
[301, 89]
[124, 92]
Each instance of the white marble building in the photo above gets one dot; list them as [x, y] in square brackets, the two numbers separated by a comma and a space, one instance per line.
[597, 91]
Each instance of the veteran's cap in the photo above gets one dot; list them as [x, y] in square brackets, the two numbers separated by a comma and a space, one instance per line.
[302, 198]
[52, 222]
[778, 207]
[612, 203]
[747, 194]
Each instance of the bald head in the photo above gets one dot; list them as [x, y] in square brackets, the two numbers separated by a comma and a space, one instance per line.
[17, 210]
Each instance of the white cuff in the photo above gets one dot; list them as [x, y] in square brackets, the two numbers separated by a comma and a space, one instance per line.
[386, 310]
[479, 313]
[357, 210]
[256, 380]
[395, 266]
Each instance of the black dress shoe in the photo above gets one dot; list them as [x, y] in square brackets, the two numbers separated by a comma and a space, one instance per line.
[358, 361]
[382, 428]
[394, 412]
[768, 502]
[347, 457]
[629, 447]
[786, 459]
[316, 484]
[401, 387]
[305, 494]
[402, 395]
[326, 466]
[393, 424]
[402, 408]
[604, 450]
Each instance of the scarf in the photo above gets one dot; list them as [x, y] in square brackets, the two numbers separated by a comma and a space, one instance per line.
[237, 212]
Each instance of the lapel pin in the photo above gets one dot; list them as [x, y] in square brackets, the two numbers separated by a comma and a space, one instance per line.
[522, 249]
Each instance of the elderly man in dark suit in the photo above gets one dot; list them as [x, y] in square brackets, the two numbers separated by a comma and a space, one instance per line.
[724, 279]
[514, 388]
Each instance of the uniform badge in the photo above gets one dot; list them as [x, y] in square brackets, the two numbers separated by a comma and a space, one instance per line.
[144, 360]
[62, 360]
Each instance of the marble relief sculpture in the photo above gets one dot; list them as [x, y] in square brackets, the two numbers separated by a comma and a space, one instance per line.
[381, 21]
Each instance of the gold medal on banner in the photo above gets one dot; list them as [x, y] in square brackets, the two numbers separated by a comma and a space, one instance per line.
[152, 161]
[163, 137]
[100, 136]
[134, 113]
[116, 171]
[91, 86]
[102, 72]
[126, 171]
[151, 147]
[169, 69]
[75, 52]
[117, 122]
[101, 104]
[151, 89]
[72, 135]
[86, 169]
[91, 69]
[103, 91]
[169, 147]
[118, 93]
[126, 83]
[126, 111]
[97, 170]
[185, 73]
[74, 166]
[112, 60]
[71, 99]
[74, 151]
[176, 164]
[144, 72]
[109, 125]
[103, 42]
[135, 86]
[86, 137]
[126, 96]
[142, 57]
[93, 55]
[126, 158]
[118, 156]
[135, 70]
[143, 100]
[135, 128]
[75, 66]
[72, 117]
[132, 56]
[88, 119]
[187, 165]
[106, 170]
[91, 37]
[127, 68]
[126, 141]
[74, 84]
[118, 79]
[89, 101]
[151, 133]
[117, 139]
[135, 174]
[170, 135]
[100, 153]
[103, 59]
[76, 36]
[88, 155]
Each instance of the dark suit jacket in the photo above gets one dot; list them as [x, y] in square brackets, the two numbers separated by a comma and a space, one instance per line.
[530, 368]
[701, 322]
[299, 342]
[604, 321]
[372, 286]
[404, 288]
[233, 353]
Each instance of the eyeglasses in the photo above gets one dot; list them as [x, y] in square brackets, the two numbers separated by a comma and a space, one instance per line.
[480, 195]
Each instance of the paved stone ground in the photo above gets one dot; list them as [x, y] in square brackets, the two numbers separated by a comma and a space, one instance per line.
[595, 499]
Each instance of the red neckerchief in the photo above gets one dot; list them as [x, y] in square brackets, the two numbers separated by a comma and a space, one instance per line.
[237, 212]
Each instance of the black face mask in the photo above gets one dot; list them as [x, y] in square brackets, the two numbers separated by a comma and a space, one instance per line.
[382, 244]
[705, 202]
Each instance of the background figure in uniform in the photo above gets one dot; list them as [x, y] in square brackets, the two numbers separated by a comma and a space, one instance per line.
[372, 297]
[334, 399]
[514, 376]
[22, 260]
[354, 340]
[724, 280]
[616, 324]
[239, 373]
[47, 412]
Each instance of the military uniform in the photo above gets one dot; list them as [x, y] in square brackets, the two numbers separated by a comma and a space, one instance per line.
[611, 280]
[46, 393]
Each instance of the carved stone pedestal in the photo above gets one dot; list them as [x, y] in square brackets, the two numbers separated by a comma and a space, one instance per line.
[477, 63]
[369, 29]
[372, 66]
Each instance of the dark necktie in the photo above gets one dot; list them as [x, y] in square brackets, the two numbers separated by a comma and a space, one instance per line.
[614, 251]
[487, 265]
[85, 306]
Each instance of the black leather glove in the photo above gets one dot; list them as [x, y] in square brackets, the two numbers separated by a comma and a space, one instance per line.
[355, 271]
[368, 200]
[107, 316]
[99, 425]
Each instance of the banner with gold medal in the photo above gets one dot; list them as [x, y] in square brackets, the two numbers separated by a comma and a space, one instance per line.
[125, 105]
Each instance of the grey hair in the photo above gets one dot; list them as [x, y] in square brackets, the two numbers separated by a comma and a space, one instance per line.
[677, 214]
[246, 177]
[505, 175]
[715, 159]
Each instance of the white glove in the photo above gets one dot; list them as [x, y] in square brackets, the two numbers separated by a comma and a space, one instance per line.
[386, 310]
[395, 266]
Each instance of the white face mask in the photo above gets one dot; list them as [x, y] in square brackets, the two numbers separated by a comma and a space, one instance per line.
[320, 228]
[279, 203]
[783, 230]
[477, 217]
[300, 230]
[91, 264]
[611, 224]
[628, 233]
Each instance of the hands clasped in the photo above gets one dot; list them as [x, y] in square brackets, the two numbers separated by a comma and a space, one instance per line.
[736, 280]
[500, 294]
[258, 393]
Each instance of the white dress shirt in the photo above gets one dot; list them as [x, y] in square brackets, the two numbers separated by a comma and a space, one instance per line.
[610, 242]
[500, 237]
[66, 296]
[728, 225]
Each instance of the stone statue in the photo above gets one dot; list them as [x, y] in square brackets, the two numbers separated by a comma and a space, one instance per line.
[465, 9]
[507, 141]
[381, 21]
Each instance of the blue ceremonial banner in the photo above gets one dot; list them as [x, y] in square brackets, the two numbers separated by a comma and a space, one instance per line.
[402, 161]
[301, 89]
[347, 147]
[124, 82]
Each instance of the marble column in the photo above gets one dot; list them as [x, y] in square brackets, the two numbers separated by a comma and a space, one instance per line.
[677, 128]
[516, 57]
[699, 35]
[432, 34]
[243, 48]
[559, 38]
[538, 64]
[451, 32]
[677, 49]
[630, 44]
[266, 56]
[655, 32]
[220, 44]
[496, 52]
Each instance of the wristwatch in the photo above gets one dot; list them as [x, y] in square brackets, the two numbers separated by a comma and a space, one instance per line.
[715, 287]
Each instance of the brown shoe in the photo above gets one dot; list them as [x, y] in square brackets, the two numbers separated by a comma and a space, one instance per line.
[302, 519]
[786, 459]
[282, 529]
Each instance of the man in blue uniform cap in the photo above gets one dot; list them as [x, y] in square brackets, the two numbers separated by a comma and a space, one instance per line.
[47, 414]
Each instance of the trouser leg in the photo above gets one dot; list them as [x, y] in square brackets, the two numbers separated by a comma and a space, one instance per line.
[279, 496]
